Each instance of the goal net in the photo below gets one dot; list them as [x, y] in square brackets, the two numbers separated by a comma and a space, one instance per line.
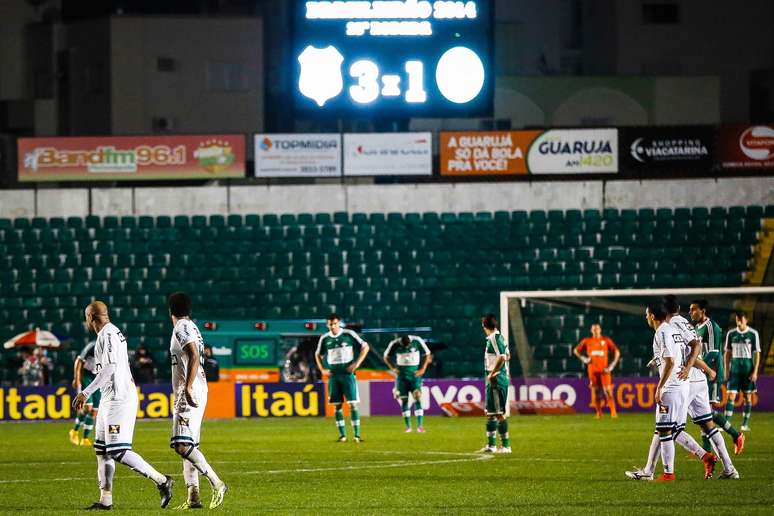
[543, 327]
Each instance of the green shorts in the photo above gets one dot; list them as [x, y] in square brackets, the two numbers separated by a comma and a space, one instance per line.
[341, 387]
[95, 398]
[741, 382]
[406, 385]
[496, 399]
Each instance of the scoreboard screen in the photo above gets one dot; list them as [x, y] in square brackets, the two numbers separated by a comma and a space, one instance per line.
[394, 58]
[255, 352]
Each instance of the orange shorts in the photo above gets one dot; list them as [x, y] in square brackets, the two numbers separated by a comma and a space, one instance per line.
[597, 378]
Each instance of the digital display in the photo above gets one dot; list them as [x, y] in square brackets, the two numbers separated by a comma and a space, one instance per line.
[395, 58]
[255, 352]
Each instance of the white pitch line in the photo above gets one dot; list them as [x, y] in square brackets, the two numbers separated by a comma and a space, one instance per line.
[378, 465]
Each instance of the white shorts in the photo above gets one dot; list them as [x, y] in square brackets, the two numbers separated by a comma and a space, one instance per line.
[670, 410]
[187, 424]
[697, 405]
[115, 424]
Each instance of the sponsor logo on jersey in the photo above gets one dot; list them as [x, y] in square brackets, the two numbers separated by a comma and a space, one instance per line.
[114, 429]
[663, 409]
[183, 421]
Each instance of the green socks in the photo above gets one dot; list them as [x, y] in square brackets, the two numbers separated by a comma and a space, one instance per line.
[705, 443]
[491, 432]
[747, 412]
[77, 422]
[419, 413]
[502, 427]
[406, 410]
[88, 425]
[729, 408]
[340, 422]
[723, 423]
[355, 417]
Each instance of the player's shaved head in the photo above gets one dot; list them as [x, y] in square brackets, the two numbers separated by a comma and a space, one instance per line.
[97, 310]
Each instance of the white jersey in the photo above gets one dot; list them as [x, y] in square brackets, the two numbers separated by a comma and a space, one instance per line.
[688, 333]
[111, 349]
[668, 343]
[186, 331]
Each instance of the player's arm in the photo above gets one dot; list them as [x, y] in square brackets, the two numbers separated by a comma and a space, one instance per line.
[191, 351]
[669, 363]
[695, 346]
[386, 356]
[616, 357]
[577, 351]
[756, 357]
[318, 358]
[705, 368]
[77, 373]
[727, 358]
[106, 371]
[364, 347]
[428, 357]
[499, 362]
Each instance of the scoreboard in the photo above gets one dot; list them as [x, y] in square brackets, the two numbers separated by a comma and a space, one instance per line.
[409, 58]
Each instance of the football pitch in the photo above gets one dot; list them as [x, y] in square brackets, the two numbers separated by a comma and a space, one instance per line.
[560, 465]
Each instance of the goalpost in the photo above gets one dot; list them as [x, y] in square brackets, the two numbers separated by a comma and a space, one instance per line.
[549, 323]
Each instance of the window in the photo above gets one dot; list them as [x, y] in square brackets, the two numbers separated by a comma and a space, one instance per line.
[660, 13]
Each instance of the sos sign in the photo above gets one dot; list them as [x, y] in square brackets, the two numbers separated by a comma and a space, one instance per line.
[400, 58]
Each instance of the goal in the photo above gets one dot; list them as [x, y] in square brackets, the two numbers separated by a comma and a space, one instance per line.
[542, 327]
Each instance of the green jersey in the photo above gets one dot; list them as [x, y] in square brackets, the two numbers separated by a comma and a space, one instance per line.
[496, 347]
[89, 364]
[709, 333]
[742, 345]
[407, 358]
[338, 351]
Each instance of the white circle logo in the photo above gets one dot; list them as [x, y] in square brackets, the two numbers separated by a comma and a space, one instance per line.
[460, 75]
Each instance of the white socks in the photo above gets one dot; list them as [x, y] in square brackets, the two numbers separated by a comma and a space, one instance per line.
[139, 465]
[200, 463]
[689, 443]
[106, 467]
[190, 474]
[653, 454]
[668, 453]
[720, 448]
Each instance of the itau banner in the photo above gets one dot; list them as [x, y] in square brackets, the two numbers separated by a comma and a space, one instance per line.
[644, 149]
[632, 394]
[131, 158]
[388, 154]
[485, 153]
[297, 155]
[746, 147]
[574, 151]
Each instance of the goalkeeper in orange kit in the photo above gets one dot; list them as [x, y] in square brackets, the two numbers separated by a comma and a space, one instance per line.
[597, 349]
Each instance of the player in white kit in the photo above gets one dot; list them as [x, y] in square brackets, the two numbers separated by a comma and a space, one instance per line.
[186, 350]
[697, 404]
[118, 409]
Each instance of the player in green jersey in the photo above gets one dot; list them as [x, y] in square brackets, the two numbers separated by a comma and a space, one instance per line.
[402, 356]
[742, 358]
[83, 375]
[498, 381]
[710, 334]
[335, 357]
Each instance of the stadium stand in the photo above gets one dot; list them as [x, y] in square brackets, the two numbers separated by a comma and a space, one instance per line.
[383, 269]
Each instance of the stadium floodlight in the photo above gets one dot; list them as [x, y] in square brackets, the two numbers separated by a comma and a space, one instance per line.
[542, 327]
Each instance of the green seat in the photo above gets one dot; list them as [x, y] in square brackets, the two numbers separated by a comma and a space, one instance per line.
[323, 218]
[217, 221]
[199, 221]
[271, 220]
[145, 222]
[484, 216]
[448, 218]
[754, 212]
[252, 220]
[663, 214]
[287, 219]
[341, 217]
[718, 212]
[110, 222]
[38, 223]
[164, 222]
[92, 221]
[234, 221]
[181, 221]
[128, 222]
[700, 213]
[305, 219]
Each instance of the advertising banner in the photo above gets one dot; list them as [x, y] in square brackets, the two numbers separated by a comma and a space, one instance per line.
[633, 394]
[746, 147]
[297, 155]
[388, 154]
[647, 148]
[131, 158]
[574, 151]
[279, 399]
[485, 153]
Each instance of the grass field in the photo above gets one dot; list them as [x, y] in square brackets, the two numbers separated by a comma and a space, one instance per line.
[560, 465]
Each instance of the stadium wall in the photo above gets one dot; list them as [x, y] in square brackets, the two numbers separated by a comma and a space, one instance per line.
[328, 198]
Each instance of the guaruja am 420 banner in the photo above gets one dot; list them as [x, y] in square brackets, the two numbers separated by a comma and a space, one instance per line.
[131, 158]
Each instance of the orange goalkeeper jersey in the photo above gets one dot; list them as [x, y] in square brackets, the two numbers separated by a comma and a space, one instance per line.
[598, 351]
